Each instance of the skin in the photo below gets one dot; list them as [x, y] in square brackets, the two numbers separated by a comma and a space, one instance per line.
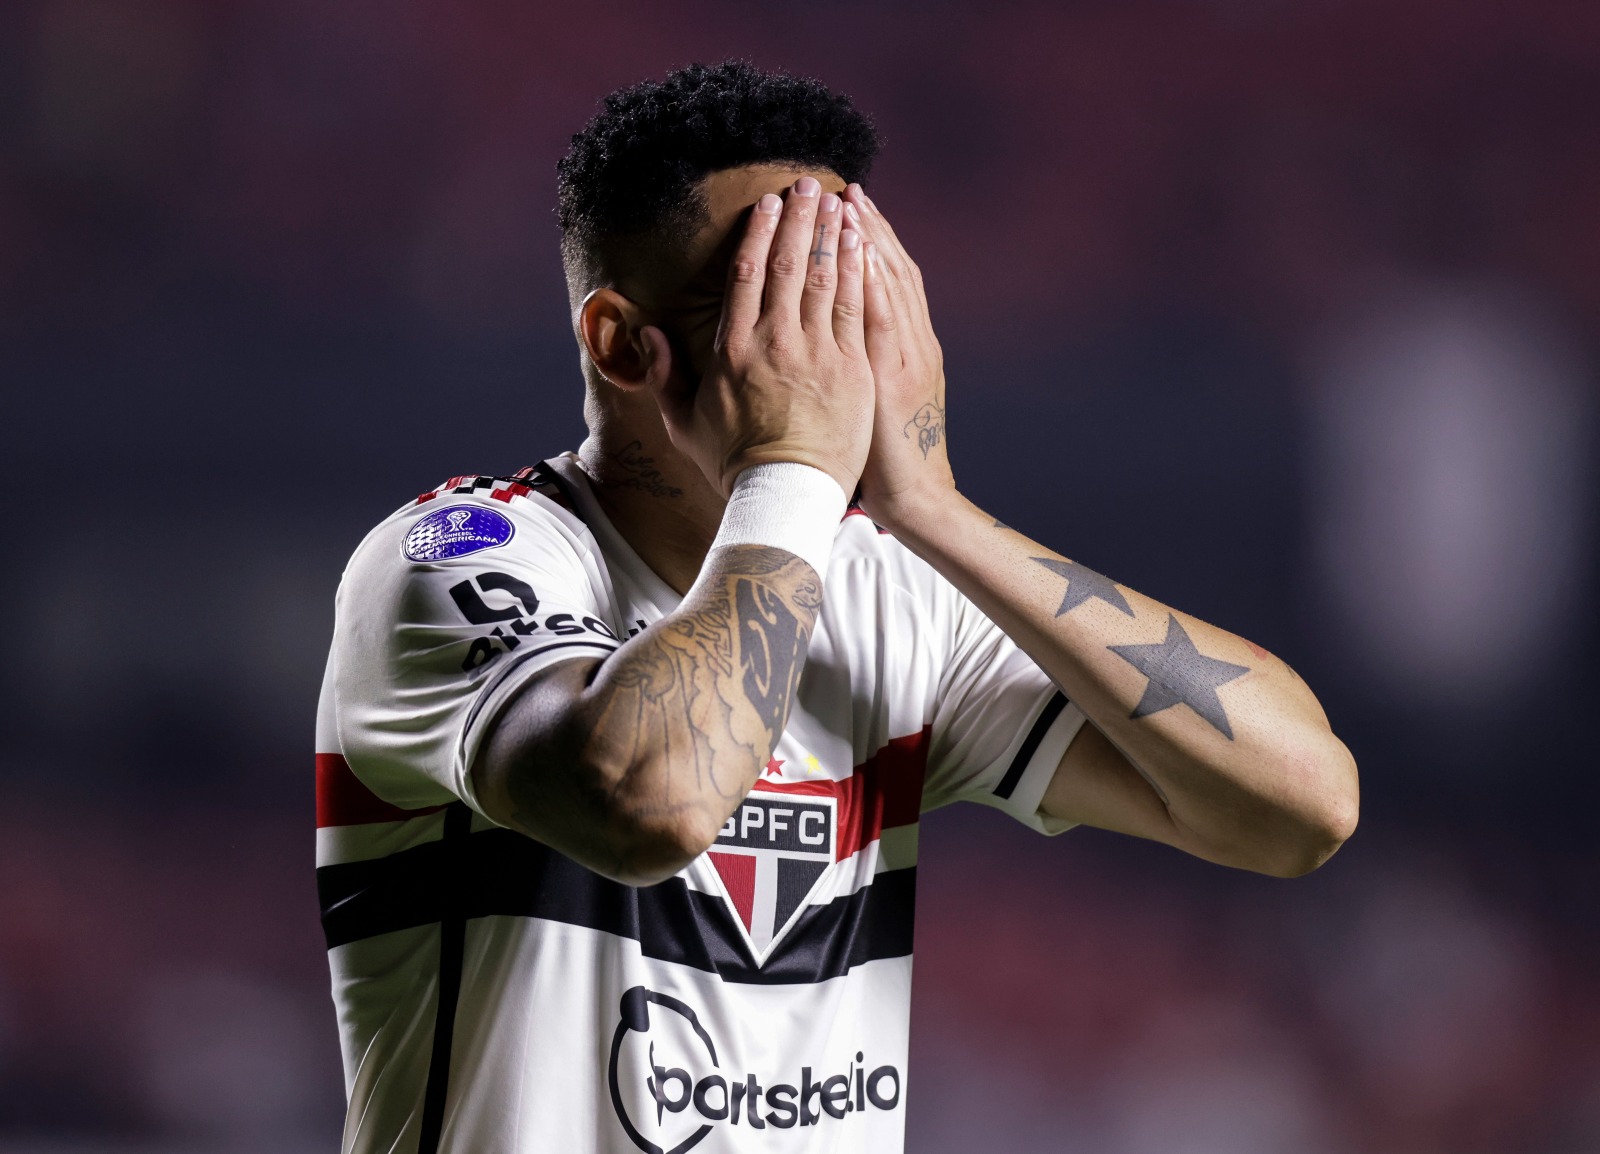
[631, 766]
[788, 343]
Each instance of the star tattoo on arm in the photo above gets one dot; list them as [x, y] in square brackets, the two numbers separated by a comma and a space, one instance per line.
[1181, 675]
[1084, 584]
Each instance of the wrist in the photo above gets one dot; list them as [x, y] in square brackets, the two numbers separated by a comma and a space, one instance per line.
[917, 511]
[785, 505]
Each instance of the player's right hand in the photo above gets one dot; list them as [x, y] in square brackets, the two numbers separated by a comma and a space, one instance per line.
[789, 378]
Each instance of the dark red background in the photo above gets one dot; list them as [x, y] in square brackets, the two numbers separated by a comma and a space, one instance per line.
[266, 270]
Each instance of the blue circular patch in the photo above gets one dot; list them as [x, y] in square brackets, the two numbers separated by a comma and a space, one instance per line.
[455, 532]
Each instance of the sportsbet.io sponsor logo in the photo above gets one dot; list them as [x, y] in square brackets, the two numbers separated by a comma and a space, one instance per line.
[669, 1088]
[514, 623]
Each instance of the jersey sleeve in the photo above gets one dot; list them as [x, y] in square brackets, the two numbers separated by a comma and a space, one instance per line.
[440, 618]
[1000, 725]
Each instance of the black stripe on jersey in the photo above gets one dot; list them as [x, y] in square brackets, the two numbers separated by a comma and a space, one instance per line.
[547, 475]
[505, 873]
[452, 945]
[1030, 745]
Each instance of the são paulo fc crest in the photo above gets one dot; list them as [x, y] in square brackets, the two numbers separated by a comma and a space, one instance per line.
[770, 855]
[455, 532]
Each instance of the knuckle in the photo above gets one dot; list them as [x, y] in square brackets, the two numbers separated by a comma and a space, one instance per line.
[780, 343]
[847, 307]
[746, 271]
[820, 277]
[784, 264]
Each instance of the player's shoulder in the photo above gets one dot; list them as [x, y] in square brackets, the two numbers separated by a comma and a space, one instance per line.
[474, 514]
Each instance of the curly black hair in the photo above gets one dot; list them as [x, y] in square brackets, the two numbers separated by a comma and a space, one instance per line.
[634, 170]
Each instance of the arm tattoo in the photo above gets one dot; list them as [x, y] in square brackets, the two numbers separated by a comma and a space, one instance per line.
[928, 421]
[1084, 584]
[1181, 675]
[700, 700]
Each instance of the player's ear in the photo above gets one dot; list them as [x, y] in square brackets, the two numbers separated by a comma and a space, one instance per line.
[629, 353]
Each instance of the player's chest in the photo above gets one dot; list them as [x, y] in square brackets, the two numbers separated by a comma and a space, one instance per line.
[839, 800]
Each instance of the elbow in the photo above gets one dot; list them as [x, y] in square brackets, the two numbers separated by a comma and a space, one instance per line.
[1324, 821]
[651, 843]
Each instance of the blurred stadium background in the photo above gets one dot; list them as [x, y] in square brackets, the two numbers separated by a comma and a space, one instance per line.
[1282, 312]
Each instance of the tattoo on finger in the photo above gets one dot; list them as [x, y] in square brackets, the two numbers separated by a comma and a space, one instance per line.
[817, 254]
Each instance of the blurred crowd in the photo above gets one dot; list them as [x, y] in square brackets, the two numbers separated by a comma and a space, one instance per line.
[1282, 313]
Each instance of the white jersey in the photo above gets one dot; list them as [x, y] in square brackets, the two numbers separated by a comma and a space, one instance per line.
[495, 997]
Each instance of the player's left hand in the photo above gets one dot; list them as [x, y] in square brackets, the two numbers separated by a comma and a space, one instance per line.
[908, 466]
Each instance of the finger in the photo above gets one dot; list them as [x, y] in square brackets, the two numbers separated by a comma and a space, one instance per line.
[848, 298]
[881, 327]
[822, 266]
[747, 275]
[906, 278]
[895, 289]
[786, 263]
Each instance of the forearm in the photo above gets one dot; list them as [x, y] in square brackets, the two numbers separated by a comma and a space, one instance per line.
[683, 718]
[1233, 743]
[643, 766]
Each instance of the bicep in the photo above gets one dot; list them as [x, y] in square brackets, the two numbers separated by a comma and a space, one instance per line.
[529, 771]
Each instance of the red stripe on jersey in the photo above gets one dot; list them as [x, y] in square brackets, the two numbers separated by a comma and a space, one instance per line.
[512, 491]
[343, 799]
[885, 791]
[738, 872]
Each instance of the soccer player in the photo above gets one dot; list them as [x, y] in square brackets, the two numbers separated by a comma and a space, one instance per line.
[622, 756]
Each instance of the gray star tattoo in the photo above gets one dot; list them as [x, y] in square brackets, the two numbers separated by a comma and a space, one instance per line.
[1181, 675]
[1084, 584]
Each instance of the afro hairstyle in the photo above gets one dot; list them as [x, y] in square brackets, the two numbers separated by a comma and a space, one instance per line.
[632, 174]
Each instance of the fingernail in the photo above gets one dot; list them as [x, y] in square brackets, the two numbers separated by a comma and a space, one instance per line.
[854, 190]
[851, 213]
[830, 203]
[872, 256]
[807, 186]
[867, 200]
[769, 203]
[850, 239]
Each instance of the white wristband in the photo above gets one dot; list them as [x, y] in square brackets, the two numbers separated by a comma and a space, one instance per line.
[786, 506]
